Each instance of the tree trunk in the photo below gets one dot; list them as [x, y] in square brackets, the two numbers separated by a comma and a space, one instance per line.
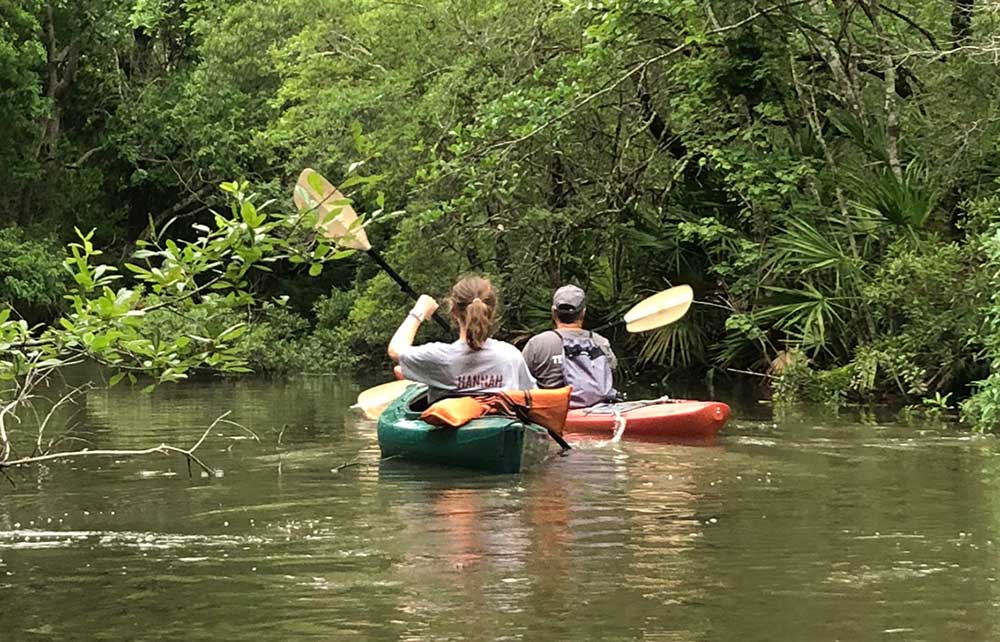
[61, 70]
[839, 68]
[890, 106]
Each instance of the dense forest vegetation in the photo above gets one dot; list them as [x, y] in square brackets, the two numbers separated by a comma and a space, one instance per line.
[823, 173]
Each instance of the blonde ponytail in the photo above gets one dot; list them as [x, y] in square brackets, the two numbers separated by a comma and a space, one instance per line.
[478, 324]
[473, 306]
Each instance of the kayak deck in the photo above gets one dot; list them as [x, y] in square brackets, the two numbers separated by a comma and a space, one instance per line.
[668, 419]
[493, 443]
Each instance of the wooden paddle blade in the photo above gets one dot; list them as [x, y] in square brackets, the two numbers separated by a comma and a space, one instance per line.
[337, 219]
[373, 401]
[660, 309]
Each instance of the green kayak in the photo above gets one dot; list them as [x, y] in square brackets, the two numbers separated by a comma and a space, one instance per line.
[495, 444]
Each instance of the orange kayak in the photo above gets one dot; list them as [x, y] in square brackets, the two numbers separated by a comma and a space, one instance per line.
[663, 419]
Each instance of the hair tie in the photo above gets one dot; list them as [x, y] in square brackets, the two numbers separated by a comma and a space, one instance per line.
[476, 299]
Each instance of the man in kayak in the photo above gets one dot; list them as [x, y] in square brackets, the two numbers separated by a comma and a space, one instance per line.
[570, 355]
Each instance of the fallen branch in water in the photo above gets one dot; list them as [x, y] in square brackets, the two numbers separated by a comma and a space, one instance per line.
[353, 462]
[23, 395]
[164, 449]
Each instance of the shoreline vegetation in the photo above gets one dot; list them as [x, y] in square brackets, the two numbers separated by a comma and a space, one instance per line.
[825, 176]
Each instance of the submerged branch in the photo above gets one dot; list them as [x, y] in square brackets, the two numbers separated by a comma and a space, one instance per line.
[76, 454]
[163, 449]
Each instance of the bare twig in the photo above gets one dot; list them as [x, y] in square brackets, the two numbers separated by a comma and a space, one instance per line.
[585, 101]
[85, 157]
[751, 373]
[209, 429]
[353, 462]
[754, 16]
[638, 68]
[913, 23]
[45, 422]
[163, 449]
[241, 427]
[76, 454]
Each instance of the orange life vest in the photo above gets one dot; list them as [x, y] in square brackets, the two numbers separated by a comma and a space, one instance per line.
[546, 408]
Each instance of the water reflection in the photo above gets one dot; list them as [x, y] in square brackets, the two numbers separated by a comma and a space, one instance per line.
[805, 528]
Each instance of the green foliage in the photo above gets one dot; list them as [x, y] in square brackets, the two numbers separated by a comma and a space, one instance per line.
[22, 56]
[31, 272]
[621, 145]
[206, 282]
[931, 409]
[907, 201]
[983, 408]
[799, 382]
[275, 340]
[923, 301]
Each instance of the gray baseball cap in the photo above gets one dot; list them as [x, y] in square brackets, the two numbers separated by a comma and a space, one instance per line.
[569, 298]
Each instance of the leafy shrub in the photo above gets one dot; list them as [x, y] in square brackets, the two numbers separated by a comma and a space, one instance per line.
[983, 408]
[922, 297]
[799, 382]
[278, 340]
[32, 278]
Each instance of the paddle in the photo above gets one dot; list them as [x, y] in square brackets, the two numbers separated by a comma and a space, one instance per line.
[663, 308]
[556, 437]
[652, 312]
[340, 222]
[373, 401]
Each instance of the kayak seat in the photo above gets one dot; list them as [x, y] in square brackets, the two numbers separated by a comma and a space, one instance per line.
[420, 403]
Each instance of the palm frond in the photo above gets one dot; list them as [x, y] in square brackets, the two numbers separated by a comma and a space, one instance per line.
[804, 249]
[871, 139]
[906, 202]
[678, 345]
[811, 317]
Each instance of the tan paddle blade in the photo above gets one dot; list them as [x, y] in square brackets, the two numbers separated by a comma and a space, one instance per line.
[374, 400]
[337, 218]
[660, 309]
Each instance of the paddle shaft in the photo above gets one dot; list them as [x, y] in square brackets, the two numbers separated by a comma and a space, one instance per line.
[403, 285]
[559, 440]
[610, 324]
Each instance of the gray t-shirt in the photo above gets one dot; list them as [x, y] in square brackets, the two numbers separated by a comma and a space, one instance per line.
[544, 356]
[455, 367]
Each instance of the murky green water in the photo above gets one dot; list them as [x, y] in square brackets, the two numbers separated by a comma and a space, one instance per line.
[802, 530]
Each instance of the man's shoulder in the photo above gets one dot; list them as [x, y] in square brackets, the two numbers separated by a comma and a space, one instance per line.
[544, 341]
[600, 338]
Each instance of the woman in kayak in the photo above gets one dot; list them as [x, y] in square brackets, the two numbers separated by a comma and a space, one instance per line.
[473, 363]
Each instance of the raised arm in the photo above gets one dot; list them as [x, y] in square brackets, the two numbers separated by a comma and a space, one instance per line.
[407, 331]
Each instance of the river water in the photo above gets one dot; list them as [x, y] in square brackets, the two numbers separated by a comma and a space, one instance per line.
[806, 528]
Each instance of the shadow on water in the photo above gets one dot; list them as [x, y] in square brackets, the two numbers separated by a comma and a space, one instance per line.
[807, 527]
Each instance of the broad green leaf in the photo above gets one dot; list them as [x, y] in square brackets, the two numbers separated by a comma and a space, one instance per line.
[316, 182]
[233, 332]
